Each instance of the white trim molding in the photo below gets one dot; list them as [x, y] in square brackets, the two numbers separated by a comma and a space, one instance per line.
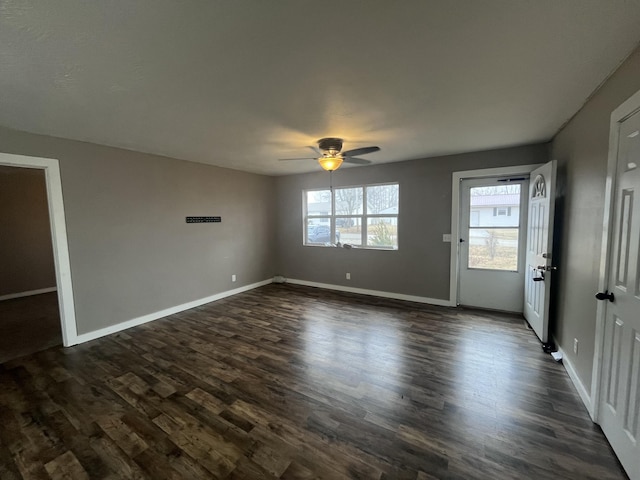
[620, 114]
[577, 383]
[28, 293]
[374, 293]
[457, 177]
[86, 337]
[58, 224]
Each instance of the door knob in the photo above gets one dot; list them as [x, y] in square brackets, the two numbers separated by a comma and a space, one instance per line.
[546, 268]
[605, 296]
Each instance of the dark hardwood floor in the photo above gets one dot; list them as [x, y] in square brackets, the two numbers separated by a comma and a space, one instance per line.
[28, 325]
[299, 383]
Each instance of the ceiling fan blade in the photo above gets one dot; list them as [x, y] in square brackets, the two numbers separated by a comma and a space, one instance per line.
[360, 151]
[356, 161]
[287, 159]
[316, 151]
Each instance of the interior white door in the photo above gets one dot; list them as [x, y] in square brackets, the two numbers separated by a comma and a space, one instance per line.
[620, 379]
[539, 269]
[492, 219]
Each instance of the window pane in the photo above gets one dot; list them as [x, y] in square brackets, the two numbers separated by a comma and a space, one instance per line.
[319, 202]
[382, 232]
[348, 201]
[495, 206]
[382, 199]
[493, 248]
[349, 230]
[319, 231]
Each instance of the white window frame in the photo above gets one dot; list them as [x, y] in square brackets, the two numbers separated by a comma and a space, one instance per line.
[364, 216]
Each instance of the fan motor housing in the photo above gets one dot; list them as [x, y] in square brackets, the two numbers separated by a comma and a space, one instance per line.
[330, 145]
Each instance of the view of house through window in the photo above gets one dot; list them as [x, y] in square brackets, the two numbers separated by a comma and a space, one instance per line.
[494, 221]
[363, 216]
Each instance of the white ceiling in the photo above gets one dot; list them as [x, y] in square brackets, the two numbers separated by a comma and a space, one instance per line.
[241, 83]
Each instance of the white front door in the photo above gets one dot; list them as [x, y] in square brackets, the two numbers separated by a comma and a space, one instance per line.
[539, 269]
[491, 273]
[620, 380]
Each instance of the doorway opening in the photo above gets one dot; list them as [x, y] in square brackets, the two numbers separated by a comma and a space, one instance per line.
[491, 245]
[30, 321]
[488, 223]
[615, 388]
[59, 296]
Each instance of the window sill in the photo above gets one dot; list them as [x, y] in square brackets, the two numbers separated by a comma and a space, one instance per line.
[351, 247]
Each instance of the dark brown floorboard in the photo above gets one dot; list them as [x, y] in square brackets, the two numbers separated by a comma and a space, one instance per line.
[29, 325]
[298, 383]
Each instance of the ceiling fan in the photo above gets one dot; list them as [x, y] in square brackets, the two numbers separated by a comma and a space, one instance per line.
[330, 158]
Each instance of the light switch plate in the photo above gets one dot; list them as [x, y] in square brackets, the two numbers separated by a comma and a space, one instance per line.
[446, 237]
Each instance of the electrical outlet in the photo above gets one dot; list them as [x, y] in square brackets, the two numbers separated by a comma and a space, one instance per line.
[575, 346]
[233, 278]
[348, 276]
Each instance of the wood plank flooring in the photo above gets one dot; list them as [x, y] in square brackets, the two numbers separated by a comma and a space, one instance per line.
[28, 325]
[287, 382]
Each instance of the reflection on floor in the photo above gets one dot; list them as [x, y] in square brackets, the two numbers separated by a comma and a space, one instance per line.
[287, 382]
[29, 325]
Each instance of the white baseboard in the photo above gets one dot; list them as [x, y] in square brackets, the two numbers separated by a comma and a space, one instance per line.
[86, 337]
[575, 379]
[375, 293]
[28, 293]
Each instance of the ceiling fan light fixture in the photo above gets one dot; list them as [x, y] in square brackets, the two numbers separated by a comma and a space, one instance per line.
[332, 156]
[330, 163]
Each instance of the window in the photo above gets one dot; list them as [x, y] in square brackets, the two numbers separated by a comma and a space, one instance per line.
[362, 216]
[501, 212]
[494, 231]
[475, 218]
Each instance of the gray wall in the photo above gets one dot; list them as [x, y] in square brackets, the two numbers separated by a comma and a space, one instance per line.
[581, 149]
[420, 266]
[130, 249]
[26, 255]
[132, 254]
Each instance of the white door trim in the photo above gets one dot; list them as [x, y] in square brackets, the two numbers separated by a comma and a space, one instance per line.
[58, 236]
[457, 177]
[624, 111]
